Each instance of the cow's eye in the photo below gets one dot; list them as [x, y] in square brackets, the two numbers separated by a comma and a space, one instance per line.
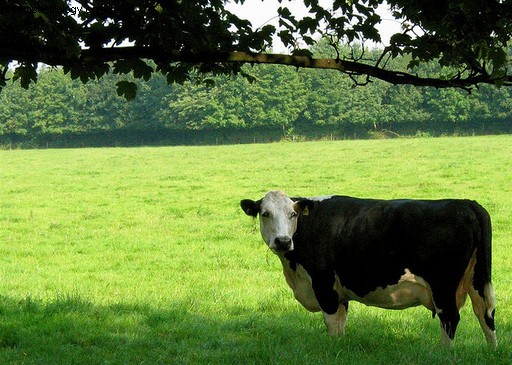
[264, 214]
[293, 215]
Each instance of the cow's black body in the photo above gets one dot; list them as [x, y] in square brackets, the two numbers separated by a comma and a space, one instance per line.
[354, 248]
[369, 243]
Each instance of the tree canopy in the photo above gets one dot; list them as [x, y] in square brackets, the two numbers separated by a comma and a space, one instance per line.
[284, 103]
[186, 40]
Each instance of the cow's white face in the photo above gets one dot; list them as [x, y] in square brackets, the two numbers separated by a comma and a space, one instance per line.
[278, 219]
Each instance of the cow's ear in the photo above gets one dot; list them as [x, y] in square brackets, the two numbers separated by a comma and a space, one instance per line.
[250, 207]
[304, 206]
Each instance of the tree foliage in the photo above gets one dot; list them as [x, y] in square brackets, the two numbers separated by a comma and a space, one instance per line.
[184, 40]
[281, 100]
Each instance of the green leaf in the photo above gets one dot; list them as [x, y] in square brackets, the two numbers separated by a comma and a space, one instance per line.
[127, 89]
[400, 38]
[286, 37]
[252, 79]
[413, 63]
[302, 52]
[123, 66]
[178, 74]
[141, 70]
[101, 69]
[307, 24]
[26, 74]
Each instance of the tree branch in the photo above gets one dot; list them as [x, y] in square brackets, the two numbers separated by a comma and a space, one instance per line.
[89, 57]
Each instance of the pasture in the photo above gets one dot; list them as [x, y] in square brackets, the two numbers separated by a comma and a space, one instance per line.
[143, 256]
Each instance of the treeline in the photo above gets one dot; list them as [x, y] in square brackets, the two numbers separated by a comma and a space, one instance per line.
[281, 103]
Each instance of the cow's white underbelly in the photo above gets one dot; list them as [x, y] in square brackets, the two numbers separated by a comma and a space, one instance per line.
[409, 291]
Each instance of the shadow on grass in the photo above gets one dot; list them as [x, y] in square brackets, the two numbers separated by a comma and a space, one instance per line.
[70, 330]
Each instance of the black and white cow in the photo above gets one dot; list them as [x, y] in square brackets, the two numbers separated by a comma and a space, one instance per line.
[386, 253]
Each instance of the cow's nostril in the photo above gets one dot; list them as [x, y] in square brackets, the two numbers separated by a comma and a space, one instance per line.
[283, 243]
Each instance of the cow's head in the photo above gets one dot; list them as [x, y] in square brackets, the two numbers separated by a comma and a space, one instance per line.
[278, 218]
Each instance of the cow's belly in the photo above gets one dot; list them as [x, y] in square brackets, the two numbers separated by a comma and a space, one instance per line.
[409, 291]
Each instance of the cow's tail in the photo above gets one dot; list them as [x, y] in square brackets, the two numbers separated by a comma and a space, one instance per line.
[482, 292]
[482, 275]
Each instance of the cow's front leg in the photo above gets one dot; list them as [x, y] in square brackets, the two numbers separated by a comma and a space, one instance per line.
[335, 323]
[328, 299]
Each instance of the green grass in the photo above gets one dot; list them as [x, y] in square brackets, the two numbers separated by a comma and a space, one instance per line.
[142, 256]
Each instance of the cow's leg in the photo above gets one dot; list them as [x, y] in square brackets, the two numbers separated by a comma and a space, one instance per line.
[328, 299]
[445, 303]
[449, 320]
[335, 323]
[484, 309]
[323, 287]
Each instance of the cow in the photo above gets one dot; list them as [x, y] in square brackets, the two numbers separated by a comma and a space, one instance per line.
[390, 254]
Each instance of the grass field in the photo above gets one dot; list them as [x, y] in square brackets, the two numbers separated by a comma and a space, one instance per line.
[142, 255]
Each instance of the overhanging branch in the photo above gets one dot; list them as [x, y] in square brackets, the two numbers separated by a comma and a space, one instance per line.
[94, 56]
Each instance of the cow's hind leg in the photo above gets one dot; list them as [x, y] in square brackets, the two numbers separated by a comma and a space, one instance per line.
[449, 320]
[335, 323]
[484, 309]
[446, 307]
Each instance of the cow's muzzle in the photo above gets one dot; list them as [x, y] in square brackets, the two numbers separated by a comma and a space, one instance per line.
[283, 244]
